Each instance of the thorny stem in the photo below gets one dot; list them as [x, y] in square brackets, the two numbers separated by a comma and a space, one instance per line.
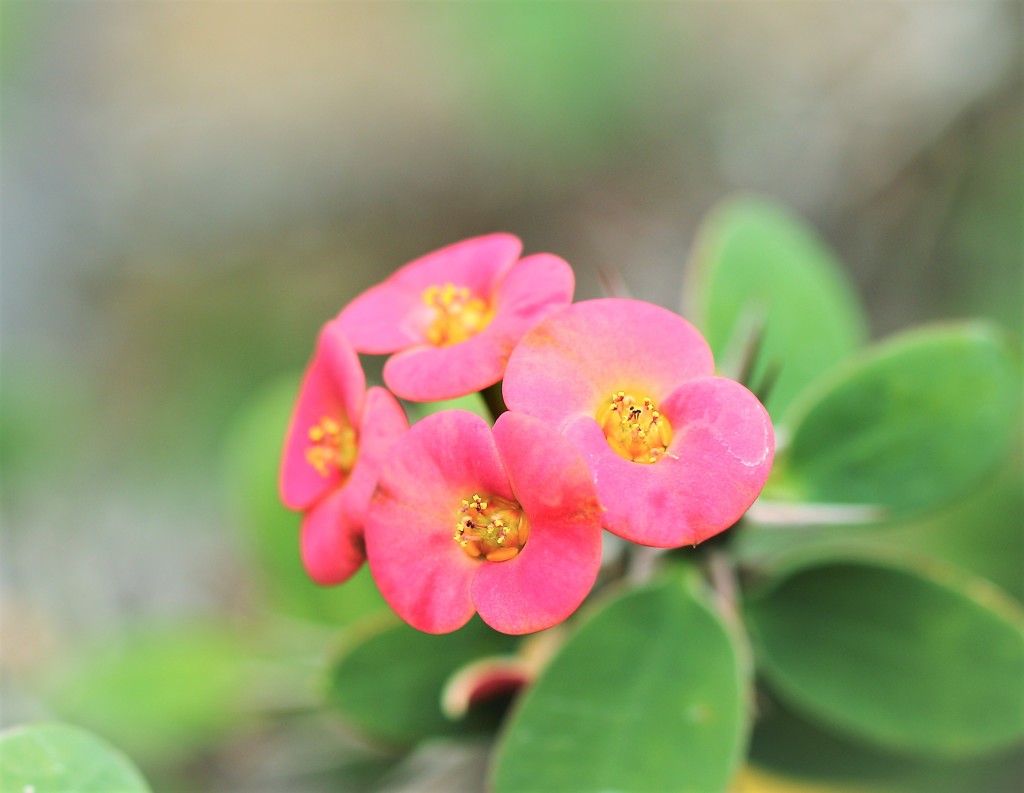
[780, 514]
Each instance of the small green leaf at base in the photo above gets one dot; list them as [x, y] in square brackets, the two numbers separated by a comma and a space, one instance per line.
[647, 695]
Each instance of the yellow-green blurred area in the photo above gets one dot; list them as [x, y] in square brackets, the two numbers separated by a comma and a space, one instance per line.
[191, 189]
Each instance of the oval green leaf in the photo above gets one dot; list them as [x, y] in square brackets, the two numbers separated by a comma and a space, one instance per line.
[910, 656]
[756, 270]
[820, 760]
[915, 421]
[251, 461]
[388, 686]
[56, 758]
[647, 695]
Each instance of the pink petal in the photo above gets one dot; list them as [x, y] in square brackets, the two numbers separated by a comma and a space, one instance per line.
[392, 315]
[334, 386]
[383, 424]
[332, 547]
[718, 461]
[422, 572]
[428, 374]
[537, 286]
[332, 531]
[557, 567]
[574, 360]
[386, 318]
[479, 263]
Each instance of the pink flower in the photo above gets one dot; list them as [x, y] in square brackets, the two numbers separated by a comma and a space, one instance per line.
[504, 523]
[453, 316]
[677, 454]
[338, 437]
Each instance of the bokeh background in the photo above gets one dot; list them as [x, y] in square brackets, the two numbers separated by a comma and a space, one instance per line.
[189, 190]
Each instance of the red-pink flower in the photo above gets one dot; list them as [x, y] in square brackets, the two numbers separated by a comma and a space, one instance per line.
[465, 519]
[453, 316]
[677, 454]
[339, 435]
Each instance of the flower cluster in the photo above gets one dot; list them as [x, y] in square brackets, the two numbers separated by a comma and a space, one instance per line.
[616, 422]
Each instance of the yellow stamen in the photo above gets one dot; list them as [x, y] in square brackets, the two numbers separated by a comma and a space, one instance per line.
[635, 429]
[333, 447]
[458, 314]
[491, 527]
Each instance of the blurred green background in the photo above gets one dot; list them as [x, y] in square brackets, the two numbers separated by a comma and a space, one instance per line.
[191, 189]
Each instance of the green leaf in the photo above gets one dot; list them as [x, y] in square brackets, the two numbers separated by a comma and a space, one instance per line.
[915, 421]
[160, 693]
[802, 750]
[910, 655]
[56, 758]
[756, 268]
[647, 695]
[389, 684]
[251, 461]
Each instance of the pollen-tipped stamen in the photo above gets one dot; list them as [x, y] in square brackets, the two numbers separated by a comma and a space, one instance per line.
[635, 429]
[491, 527]
[333, 447]
[458, 314]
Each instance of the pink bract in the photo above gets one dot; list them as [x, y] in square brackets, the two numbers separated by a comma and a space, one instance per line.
[453, 316]
[338, 437]
[677, 454]
[423, 563]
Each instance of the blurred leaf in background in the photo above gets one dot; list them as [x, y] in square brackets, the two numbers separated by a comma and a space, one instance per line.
[162, 693]
[44, 423]
[763, 287]
[57, 758]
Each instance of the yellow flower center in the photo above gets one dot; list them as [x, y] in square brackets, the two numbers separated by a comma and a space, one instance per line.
[491, 527]
[332, 447]
[634, 428]
[458, 314]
